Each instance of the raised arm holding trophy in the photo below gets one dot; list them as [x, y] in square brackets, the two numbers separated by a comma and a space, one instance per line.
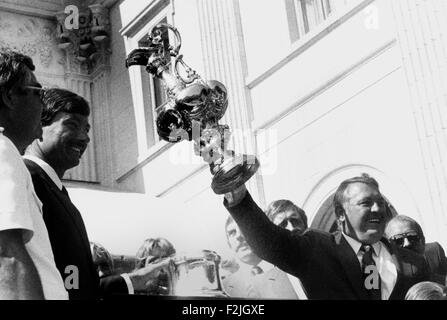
[192, 112]
[355, 262]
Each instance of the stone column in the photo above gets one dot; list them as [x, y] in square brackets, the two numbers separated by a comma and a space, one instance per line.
[102, 118]
[87, 72]
[422, 33]
[224, 55]
[86, 170]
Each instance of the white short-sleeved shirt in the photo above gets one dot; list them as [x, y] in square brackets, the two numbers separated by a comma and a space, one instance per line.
[20, 208]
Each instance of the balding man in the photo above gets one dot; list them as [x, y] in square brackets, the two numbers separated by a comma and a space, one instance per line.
[405, 232]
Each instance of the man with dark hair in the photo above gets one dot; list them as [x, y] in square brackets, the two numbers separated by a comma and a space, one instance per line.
[64, 139]
[240, 284]
[255, 278]
[353, 263]
[27, 267]
[287, 215]
[405, 232]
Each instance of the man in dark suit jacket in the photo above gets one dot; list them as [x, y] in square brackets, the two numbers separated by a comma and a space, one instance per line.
[64, 140]
[405, 232]
[354, 263]
[437, 261]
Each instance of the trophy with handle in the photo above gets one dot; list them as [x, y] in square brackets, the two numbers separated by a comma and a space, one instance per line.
[193, 109]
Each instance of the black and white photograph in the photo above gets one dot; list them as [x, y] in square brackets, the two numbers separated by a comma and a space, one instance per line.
[229, 151]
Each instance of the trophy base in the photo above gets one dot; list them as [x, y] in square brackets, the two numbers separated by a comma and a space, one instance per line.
[233, 173]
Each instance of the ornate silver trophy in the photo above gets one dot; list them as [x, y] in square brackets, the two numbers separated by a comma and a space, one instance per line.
[193, 110]
[196, 275]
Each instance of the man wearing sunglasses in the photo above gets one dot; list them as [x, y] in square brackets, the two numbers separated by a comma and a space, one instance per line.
[405, 232]
[27, 266]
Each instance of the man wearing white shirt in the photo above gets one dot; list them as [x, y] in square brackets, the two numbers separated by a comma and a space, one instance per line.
[383, 261]
[27, 267]
[255, 278]
[64, 139]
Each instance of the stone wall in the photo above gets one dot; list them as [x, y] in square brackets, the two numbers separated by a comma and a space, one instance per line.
[35, 37]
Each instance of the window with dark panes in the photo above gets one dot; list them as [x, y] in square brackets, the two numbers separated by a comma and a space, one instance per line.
[304, 15]
[154, 93]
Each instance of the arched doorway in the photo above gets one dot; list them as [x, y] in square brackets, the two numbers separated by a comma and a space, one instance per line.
[325, 219]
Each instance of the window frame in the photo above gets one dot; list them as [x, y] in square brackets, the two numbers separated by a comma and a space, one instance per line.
[300, 24]
[153, 141]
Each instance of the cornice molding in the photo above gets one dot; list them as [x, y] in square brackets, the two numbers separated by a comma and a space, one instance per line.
[44, 8]
[151, 10]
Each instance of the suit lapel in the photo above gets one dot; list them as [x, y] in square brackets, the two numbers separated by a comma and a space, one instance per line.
[351, 266]
[73, 213]
[70, 210]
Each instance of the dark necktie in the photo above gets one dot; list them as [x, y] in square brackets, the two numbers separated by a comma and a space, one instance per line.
[371, 276]
[256, 270]
[64, 191]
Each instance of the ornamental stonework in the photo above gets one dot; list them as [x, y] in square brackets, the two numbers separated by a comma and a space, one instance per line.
[34, 37]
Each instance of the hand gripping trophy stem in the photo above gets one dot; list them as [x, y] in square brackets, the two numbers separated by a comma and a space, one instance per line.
[193, 110]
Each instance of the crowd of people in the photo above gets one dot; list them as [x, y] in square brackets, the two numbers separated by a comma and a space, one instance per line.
[246, 275]
[371, 256]
[46, 253]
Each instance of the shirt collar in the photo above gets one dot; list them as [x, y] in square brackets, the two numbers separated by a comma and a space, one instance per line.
[265, 266]
[47, 168]
[355, 245]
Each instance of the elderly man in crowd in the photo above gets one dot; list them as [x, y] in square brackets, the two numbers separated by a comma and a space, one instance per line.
[64, 139]
[353, 263]
[27, 267]
[405, 232]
